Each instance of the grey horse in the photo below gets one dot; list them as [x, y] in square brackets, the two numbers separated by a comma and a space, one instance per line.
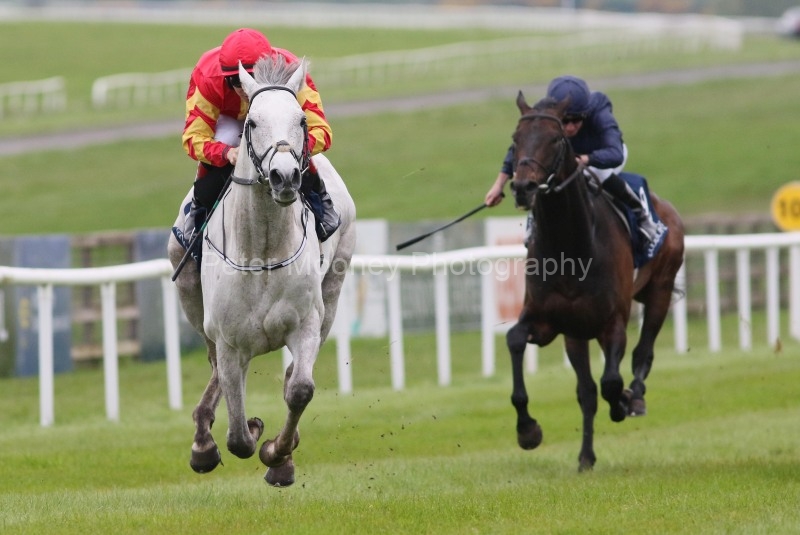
[266, 281]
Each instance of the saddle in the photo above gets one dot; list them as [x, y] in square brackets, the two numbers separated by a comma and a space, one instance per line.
[641, 254]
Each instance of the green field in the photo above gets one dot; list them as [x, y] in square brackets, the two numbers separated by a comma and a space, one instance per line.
[722, 146]
[719, 146]
[82, 52]
[717, 453]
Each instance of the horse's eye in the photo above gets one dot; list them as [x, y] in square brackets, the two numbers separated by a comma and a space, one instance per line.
[251, 123]
[303, 121]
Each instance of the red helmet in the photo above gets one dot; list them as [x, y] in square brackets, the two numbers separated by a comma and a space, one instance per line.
[245, 45]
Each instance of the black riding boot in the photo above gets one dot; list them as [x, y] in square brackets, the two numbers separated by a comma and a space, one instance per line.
[320, 202]
[617, 187]
[195, 218]
[208, 185]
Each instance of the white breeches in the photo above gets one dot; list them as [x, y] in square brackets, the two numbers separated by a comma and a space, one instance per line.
[229, 130]
[603, 174]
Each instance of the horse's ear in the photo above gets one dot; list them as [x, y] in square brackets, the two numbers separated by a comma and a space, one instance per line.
[248, 82]
[561, 107]
[522, 104]
[298, 79]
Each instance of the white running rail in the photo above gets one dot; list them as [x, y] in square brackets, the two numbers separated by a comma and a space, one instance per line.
[393, 267]
[17, 98]
[107, 278]
[138, 88]
[637, 37]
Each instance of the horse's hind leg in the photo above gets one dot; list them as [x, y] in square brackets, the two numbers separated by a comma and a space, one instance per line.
[334, 279]
[611, 384]
[205, 454]
[529, 433]
[655, 312]
[298, 390]
[578, 353]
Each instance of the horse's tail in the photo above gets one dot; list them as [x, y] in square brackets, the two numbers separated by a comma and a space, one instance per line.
[677, 294]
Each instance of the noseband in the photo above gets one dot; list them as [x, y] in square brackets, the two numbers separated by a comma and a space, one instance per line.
[279, 146]
[551, 171]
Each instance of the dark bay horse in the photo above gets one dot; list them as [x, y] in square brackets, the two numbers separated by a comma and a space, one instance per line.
[579, 236]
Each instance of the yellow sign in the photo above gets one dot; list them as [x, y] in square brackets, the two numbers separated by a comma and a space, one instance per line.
[786, 206]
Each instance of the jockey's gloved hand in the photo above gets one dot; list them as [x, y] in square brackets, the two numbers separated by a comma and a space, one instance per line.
[232, 154]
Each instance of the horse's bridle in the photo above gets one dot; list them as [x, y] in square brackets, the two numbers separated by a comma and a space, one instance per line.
[546, 186]
[275, 148]
[279, 146]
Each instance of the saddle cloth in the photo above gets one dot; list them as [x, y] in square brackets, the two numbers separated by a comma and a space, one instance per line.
[641, 252]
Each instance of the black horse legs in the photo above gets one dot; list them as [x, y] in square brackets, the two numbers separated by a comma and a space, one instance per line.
[612, 387]
[578, 353]
[655, 312]
[529, 433]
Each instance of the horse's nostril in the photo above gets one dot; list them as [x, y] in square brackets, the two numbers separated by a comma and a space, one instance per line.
[513, 186]
[275, 179]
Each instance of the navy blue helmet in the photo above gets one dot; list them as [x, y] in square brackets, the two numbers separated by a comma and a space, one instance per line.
[574, 88]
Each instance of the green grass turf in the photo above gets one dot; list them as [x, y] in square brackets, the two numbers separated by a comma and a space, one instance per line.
[702, 152]
[717, 453]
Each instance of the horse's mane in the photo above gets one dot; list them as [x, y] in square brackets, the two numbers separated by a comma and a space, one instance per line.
[274, 70]
[547, 104]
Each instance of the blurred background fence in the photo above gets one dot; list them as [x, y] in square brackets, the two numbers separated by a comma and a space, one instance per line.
[140, 330]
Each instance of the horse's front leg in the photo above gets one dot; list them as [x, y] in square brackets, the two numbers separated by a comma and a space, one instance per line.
[613, 342]
[205, 454]
[578, 353]
[298, 390]
[529, 432]
[243, 434]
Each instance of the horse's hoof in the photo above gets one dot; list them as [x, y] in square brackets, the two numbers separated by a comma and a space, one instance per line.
[269, 455]
[638, 408]
[618, 412]
[530, 437]
[281, 476]
[256, 427]
[203, 462]
[585, 465]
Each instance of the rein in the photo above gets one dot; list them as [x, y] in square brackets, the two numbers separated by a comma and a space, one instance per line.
[268, 267]
[257, 160]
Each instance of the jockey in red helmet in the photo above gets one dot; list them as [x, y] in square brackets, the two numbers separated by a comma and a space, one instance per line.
[216, 106]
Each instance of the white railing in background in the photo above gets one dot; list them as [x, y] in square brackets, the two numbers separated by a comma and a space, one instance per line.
[453, 60]
[393, 266]
[631, 38]
[743, 245]
[107, 278]
[138, 88]
[35, 96]
[606, 36]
